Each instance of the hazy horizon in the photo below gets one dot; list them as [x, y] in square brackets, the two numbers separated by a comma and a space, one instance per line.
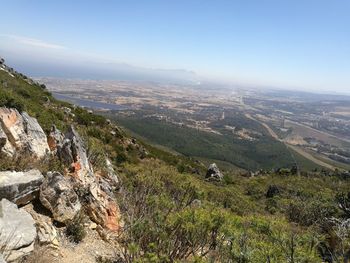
[289, 45]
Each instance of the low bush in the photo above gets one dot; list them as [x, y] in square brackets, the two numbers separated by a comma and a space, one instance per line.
[75, 228]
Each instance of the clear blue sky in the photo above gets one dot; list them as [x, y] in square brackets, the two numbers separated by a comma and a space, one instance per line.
[292, 43]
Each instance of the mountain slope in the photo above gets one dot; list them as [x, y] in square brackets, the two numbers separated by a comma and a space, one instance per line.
[169, 211]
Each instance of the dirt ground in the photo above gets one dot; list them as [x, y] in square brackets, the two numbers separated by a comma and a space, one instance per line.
[87, 251]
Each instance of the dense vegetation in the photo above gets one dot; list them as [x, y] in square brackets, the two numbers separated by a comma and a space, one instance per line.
[172, 214]
[265, 153]
[273, 218]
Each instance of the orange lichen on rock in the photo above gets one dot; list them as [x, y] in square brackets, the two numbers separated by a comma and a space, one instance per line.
[8, 116]
[76, 166]
[103, 210]
[112, 221]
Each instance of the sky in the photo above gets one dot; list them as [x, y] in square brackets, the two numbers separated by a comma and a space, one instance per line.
[302, 44]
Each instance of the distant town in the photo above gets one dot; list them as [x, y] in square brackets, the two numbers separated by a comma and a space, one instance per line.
[314, 127]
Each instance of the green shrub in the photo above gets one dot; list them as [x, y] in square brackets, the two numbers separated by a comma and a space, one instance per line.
[10, 101]
[75, 228]
[121, 158]
[165, 225]
[309, 213]
[85, 118]
[180, 168]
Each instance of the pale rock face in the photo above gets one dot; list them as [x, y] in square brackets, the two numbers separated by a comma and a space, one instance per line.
[110, 182]
[13, 126]
[111, 173]
[20, 187]
[47, 234]
[36, 137]
[57, 195]
[71, 151]
[21, 133]
[18, 231]
[102, 209]
[5, 145]
[3, 137]
[80, 160]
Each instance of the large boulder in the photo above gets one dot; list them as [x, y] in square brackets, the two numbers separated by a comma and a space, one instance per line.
[57, 195]
[20, 187]
[20, 132]
[214, 173]
[17, 231]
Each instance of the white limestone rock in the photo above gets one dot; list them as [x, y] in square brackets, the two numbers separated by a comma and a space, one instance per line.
[20, 187]
[17, 231]
[20, 132]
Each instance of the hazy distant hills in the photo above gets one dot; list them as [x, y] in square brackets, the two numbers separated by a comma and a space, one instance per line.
[306, 96]
[99, 70]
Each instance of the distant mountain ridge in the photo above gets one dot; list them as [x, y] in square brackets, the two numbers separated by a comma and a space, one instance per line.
[100, 70]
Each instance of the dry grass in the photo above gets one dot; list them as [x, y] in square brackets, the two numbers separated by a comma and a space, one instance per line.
[41, 255]
[24, 161]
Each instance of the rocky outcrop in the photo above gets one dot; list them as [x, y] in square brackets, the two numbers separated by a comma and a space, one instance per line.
[57, 195]
[20, 187]
[214, 173]
[142, 152]
[20, 132]
[99, 187]
[72, 153]
[18, 231]
[102, 209]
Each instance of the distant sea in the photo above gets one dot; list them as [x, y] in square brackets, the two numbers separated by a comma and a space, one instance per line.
[88, 103]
